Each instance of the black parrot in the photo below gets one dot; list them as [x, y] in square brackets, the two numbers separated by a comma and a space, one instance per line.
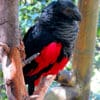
[53, 36]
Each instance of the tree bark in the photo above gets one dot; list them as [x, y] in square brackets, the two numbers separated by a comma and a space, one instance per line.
[84, 49]
[9, 52]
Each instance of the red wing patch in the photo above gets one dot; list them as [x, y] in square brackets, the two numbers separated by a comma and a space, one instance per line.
[47, 56]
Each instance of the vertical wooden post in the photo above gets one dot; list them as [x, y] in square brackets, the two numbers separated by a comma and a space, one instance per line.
[84, 50]
[11, 61]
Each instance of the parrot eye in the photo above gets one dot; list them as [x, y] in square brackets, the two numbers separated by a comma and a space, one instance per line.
[69, 9]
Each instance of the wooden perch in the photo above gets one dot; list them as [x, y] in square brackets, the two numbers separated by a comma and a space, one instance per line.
[43, 86]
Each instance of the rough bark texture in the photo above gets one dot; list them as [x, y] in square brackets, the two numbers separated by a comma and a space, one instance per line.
[84, 50]
[11, 61]
[9, 22]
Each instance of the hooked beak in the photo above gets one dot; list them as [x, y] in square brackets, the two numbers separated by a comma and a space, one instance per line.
[77, 15]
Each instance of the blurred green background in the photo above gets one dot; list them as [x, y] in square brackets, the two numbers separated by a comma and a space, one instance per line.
[29, 11]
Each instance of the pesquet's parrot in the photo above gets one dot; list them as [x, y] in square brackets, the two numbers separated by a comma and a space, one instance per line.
[53, 36]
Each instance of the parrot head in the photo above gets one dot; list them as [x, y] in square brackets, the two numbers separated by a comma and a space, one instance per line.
[65, 9]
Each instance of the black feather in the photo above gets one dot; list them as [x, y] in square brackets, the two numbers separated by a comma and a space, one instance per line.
[58, 22]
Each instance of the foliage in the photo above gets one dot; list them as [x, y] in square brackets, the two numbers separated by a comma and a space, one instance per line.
[29, 12]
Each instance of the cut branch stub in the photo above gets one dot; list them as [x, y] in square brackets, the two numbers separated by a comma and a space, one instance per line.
[29, 60]
[66, 78]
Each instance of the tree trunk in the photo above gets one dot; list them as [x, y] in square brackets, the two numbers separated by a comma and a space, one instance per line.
[84, 50]
[9, 52]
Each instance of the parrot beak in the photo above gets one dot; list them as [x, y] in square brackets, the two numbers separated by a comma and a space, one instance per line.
[77, 14]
